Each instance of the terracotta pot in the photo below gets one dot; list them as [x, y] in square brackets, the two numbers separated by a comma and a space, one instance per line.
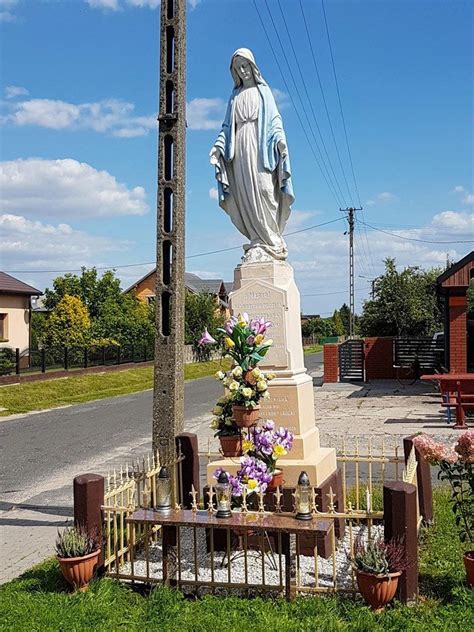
[78, 571]
[377, 590]
[230, 445]
[249, 378]
[245, 417]
[469, 565]
[277, 480]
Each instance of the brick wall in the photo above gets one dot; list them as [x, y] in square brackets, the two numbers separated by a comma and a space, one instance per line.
[331, 363]
[457, 334]
[379, 359]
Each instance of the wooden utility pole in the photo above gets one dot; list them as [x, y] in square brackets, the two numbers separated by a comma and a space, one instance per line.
[168, 395]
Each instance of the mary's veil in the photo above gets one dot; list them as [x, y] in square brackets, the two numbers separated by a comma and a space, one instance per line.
[248, 55]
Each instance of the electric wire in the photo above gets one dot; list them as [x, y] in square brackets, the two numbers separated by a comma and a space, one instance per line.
[149, 263]
[330, 185]
[424, 241]
[298, 65]
[324, 97]
[340, 103]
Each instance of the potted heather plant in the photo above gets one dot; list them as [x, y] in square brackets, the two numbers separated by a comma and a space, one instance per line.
[243, 339]
[378, 566]
[268, 444]
[456, 466]
[78, 553]
[224, 425]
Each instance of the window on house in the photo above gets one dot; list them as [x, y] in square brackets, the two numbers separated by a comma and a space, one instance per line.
[3, 326]
[151, 299]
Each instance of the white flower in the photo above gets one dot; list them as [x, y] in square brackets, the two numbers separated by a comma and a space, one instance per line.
[266, 395]
[234, 386]
[217, 410]
[247, 392]
[261, 385]
[256, 373]
[270, 376]
[228, 421]
[215, 424]
[220, 375]
[237, 371]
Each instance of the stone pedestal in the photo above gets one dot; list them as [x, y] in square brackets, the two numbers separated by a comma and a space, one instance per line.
[268, 289]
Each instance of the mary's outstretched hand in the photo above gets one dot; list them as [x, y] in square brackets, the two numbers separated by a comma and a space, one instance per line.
[282, 149]
[214, 155]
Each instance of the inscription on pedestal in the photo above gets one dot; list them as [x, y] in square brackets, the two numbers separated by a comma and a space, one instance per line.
[260, 299]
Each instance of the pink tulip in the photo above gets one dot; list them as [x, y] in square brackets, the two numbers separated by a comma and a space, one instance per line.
[206, 339]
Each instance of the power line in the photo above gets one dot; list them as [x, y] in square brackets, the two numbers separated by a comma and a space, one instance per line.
[149, 263]
[340, 103]
[323, 96]
[290, 39]
[424, 241]
[357, 289]
[330, 185]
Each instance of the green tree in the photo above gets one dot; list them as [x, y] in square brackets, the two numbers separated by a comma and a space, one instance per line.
[201, 311]
[68, 324]
[337, 324]
[405, 303]
[345, 314]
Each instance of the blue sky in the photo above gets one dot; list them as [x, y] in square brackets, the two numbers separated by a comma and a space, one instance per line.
[79, 100]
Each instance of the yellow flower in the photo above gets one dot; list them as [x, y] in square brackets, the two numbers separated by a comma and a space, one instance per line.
[229, 343]
[270, 376]
[247, 445]
[252, 484]
[237, 371]
[220, 375]
[241, 320]
[234, 386]
[279, 450]
[256, 372]
[259, 339]
[261, 386]
[269, 342]
[247, 393]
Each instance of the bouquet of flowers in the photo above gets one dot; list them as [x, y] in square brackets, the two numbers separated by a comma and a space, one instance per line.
[457, 467]
[246, 389]
[267, 444]
[223, 422]
[253, 476]
[243, 339]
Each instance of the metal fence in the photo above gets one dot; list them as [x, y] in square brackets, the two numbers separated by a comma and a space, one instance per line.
[69, 358]
[277, 557]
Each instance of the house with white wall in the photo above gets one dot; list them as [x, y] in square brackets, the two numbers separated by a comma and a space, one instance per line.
[15, 313]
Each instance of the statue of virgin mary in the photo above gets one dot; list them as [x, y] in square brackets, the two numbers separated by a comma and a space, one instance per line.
[252, 164]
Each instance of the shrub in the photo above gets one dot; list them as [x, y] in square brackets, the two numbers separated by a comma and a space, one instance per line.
[76, 542]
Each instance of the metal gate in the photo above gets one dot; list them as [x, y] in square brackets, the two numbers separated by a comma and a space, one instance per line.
[351, 361]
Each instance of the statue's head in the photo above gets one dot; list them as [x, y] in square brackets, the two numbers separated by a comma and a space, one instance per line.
[243, 67]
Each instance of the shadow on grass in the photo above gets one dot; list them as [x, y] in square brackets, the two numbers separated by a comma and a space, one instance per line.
[44, 578]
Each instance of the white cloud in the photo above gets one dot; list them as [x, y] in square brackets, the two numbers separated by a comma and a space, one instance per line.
[281, 97]
[205, 274]
[468, 198]
[213, 193]
[454, 222]
[151, 4]
[107, 116]
[111, 5]
[6, 14]
[11, 92]
[66, 188]
[205, 114]
[34, 245]
[382, 198]
[459, 189]
[300, 219]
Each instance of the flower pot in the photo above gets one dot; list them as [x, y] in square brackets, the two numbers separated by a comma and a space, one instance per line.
[231, 445]
[245, 417]
[277, 480]
[377, 590]
[78, 571]
[249, 378]
[469, 565]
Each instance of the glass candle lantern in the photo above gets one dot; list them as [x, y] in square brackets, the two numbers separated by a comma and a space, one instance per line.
[163, 491]
[224, 496]
[303, 498]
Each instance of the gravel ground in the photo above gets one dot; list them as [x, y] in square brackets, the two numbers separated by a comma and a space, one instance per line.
[254, 563]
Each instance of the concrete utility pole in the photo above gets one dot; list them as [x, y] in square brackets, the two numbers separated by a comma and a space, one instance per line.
[168, 395]
[350, 213]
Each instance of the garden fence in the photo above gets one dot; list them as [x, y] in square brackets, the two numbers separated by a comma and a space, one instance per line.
[207, 558]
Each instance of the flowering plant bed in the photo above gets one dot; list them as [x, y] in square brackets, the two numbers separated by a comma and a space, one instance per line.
[268, 443]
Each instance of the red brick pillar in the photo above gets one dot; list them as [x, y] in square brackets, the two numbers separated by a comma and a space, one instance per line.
[88, 500]
[400, 518]
[457, 334]
[331, 363]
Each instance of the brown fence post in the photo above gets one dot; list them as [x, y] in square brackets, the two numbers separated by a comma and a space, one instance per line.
[88, 499]
[188, 443]
[423, 479]
[400, 519]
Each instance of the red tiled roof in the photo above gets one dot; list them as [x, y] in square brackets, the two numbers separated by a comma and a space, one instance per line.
[10, 285]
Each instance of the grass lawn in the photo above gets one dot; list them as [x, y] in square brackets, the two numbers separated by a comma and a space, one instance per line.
[313, 349]
[39, 600]
[22, 398]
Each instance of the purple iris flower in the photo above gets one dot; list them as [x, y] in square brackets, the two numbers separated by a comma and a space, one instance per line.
[250, 340]
[230, 324]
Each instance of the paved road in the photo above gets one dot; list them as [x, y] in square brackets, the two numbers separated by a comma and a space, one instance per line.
[41, 453]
